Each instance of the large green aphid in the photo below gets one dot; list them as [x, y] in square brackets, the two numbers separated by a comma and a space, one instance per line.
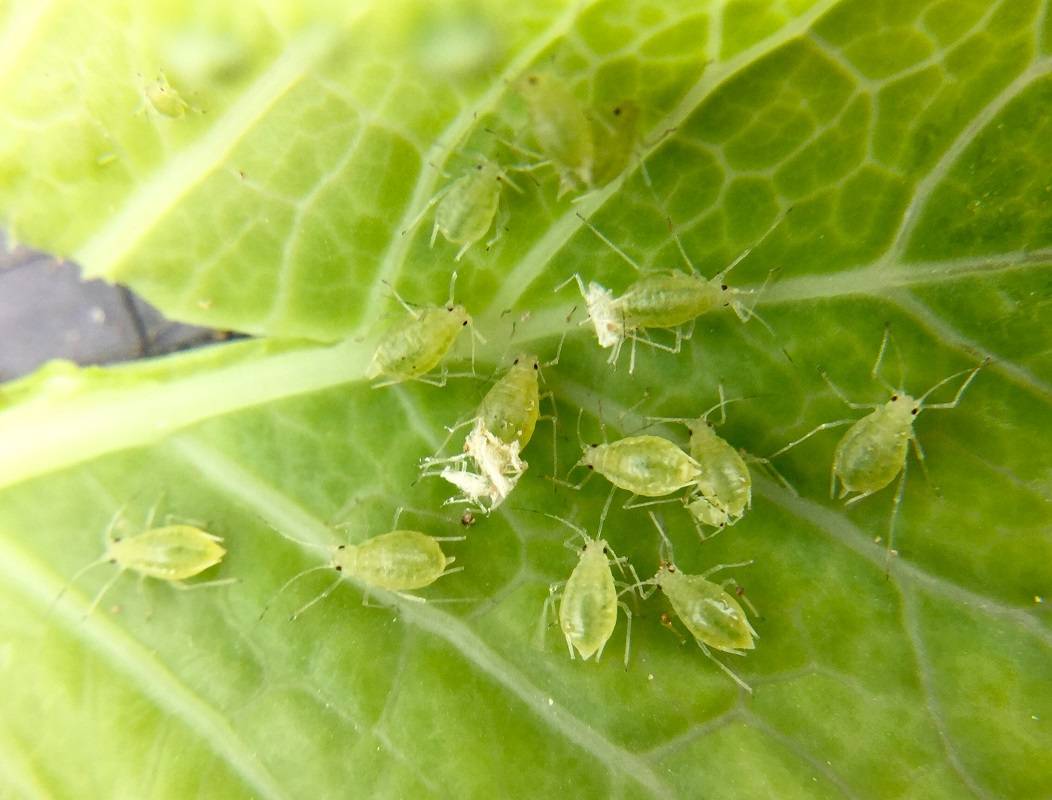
[415, 346]
[707, 610]
[872, 453]
[171, 553]
[588, 600]
[399, 561]
[668, 299]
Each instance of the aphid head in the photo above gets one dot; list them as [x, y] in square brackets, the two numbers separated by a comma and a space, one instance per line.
[589, 456]
[459, 313]
[902, 405]
[527, 363]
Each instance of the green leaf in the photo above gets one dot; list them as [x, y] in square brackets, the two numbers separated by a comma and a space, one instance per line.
[903, 149]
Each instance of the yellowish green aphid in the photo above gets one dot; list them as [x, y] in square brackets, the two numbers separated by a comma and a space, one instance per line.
[589, 599]
[164, 98]
[467, 207]
[723, 491]
[171, 553]
[399, 561]
[414, 347]
[872, 453]
[707, 610]
[490, 465]
[668, 299]
[649, 466]
[561, 128]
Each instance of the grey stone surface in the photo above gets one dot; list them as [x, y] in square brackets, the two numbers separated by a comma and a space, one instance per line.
[47, 311]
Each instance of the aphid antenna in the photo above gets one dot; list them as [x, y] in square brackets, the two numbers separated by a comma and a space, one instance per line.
[289, 583]
[746, 313]
[103, 559]
[719, 567]
[971, 373]
[608, 243]
[665, 552]
[875, 372]
[107, 533]
[719, 276]
[410, 308]
[294, 540]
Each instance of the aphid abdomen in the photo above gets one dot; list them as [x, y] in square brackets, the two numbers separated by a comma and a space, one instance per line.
[667, 300]
[872, 452]
[416, 347]
[725, 477]
[397, 561]
[171, 553]
[466, 213]
[710, 614]
[561, 127]
[644, 465]
[511, 407]
[588, 609]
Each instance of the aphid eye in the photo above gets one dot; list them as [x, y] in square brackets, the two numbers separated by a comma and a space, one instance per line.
[617, 111]
[606, 551]
[591, 466]
[339, 568]
[915, 411]
[532, 80]
[449, 308]
[516, 361]
[593, 445]
[671, 567]
[464, 324]
[536, 365]
[116, 538]
[341, 547]
[724, 287]
[478, 167]
[894, 397]
[113, 561]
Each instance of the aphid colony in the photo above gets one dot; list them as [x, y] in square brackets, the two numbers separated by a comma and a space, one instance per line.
[711, 479]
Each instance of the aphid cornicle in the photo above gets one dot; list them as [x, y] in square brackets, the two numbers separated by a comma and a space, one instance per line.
[589, 599]
[873, 451]
[170, 553]
[467, 207]
[709, 612]
[561, 128]
[415, 346]
[398, 561]
[667, 299]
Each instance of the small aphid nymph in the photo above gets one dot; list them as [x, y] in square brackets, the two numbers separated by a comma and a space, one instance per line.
[712, 615]
[667, 300]
[415, 346]
[164, 99]
[399, 562]
[561, 128]
[873, 451]
[589, 599]
[466, 208]
[171, 553]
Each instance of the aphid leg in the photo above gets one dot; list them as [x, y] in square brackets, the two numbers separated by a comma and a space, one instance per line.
[151, 515]
[628, 630]
[919, 452]
[186, 587]
[423, 212]
[895, 504]
[824, 426]
[549, 607]
[734, 677]
[860, 496]
[609, 244]
[331, 588]
[76, 575]
[141, 589]
[629, 504]
[98, 597]
[844, 398]
[500, 223]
